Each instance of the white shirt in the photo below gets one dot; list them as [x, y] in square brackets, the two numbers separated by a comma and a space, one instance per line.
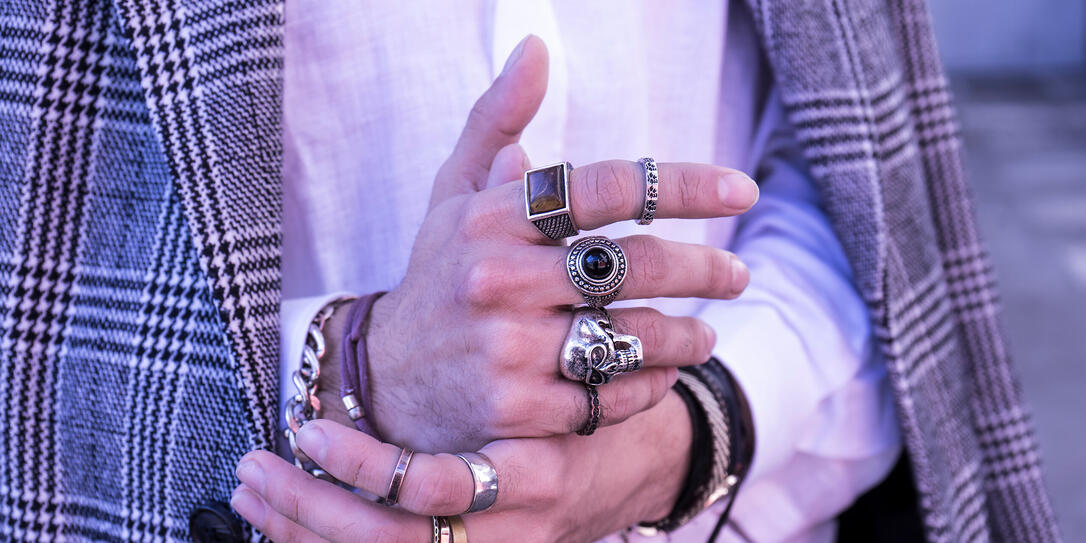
[376, 94]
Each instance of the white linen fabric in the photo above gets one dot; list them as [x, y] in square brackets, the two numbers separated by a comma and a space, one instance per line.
[374, 103]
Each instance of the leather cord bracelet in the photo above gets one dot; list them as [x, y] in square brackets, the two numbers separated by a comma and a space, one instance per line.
[701, 464]
[719, 463]
[354, 365]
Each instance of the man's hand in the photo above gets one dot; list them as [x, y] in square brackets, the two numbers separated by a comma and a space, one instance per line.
[465, 350]
[566, 488]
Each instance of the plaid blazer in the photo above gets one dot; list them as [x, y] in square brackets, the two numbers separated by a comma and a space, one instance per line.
[139, 260]
[865, 90]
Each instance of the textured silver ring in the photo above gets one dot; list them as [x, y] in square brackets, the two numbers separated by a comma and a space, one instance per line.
[593, 421]
[546, 200]
[393, 494]
[597, 268]
[594, 353]
[485, 479]
[652, 190]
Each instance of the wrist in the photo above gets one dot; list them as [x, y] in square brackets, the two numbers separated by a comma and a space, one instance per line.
[675, 428]
[331, 379]
[381, 314]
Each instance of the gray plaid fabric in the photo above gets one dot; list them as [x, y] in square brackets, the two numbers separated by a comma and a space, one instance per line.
[866, 92]
[139, 267]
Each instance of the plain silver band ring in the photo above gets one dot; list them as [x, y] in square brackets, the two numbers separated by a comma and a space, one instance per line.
[393, 494]
[485, 479]
[652, 190]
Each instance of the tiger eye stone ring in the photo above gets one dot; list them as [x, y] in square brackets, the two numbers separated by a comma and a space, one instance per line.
[546, 200]
[597, 268]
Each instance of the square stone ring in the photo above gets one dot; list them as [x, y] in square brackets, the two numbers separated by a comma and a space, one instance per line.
[546, 200]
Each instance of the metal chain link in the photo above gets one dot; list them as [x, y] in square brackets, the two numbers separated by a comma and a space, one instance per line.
[304, 405]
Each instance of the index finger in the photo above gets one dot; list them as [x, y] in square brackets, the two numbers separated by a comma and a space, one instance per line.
[440, 484]
[611, 191]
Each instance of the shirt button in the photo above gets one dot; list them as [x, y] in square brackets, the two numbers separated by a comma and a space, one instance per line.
[214, 523]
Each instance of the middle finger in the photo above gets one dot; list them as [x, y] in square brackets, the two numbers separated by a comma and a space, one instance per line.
[536, 276]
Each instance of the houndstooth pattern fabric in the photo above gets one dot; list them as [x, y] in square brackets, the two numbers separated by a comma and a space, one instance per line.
[139, 271]
[864, 87]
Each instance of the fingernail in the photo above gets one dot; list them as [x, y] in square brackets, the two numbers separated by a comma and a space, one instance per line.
[251, 474]
[313, 441]
[248, 505]
[738, 191]
[740, 275]
[516, 54]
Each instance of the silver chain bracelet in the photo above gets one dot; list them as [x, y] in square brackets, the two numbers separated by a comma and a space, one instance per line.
[304, 405]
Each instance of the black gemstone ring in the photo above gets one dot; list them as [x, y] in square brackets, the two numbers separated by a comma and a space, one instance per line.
[597, 268]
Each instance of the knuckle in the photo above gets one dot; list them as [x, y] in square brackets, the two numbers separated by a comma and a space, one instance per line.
[290, 503]
[658, 386]
[479, 219]
[647, 256]
[482, 284]
[622, 404]
[360, 469]
[480, 113]
[435, 494]
[718, 271]
[693, 340]
[690, 188]
[649, 330]
[605, 192]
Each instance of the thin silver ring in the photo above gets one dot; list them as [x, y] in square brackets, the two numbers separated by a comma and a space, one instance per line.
[601, 282]
[485, 479]
[593, 421]
[652, 190]
[442, 530]
[393, 494]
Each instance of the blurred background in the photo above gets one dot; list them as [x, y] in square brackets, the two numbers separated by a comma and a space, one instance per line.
[1018, 69]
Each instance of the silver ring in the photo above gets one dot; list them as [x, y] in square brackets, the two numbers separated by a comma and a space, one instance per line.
[597, 268]
[594, 353]
[442, 530]
[652, 190]
[546, 200]
[593, 421]
[485, 478]
[393, 494]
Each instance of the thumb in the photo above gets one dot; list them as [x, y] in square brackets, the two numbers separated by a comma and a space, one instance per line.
[496, 120]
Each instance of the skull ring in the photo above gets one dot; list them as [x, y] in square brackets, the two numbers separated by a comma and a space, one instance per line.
[594, 353]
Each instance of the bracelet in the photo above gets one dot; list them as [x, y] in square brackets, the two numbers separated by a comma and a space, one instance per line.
[730, 396]
[729, 425]
[701, 464]
[354, 366]
[304, 406]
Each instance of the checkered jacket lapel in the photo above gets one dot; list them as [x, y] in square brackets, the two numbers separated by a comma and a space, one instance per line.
[865, 90]
[139, 271]
[212, 79]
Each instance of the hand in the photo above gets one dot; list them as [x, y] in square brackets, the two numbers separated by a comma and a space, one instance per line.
[465, 350]
[565, 488]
